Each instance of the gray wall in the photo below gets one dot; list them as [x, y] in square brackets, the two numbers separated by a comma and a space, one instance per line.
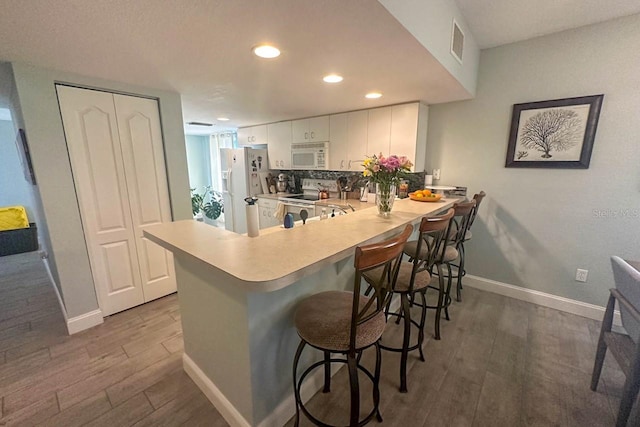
[39, 108]
[537, 226]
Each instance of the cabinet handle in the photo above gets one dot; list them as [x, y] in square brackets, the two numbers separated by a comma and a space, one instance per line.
[349, 164]
[306, 135]
[341, 164]
[313, 135]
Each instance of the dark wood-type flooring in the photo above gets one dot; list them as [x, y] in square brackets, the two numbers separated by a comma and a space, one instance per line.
[501, 362]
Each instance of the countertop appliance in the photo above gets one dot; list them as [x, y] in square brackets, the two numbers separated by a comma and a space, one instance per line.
[241, 170]
[310, 155]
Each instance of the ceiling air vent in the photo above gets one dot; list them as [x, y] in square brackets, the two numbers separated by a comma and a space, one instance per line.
[199, 124]
[457, 41]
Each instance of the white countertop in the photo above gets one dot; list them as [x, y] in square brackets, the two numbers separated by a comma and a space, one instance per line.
[274, 260]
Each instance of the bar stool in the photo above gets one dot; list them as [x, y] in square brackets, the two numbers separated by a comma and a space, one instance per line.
[347, 323]
[467, 236]
[459, 228]
[414, 278]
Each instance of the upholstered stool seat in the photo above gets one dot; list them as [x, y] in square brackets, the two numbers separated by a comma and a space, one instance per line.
[421, 281]
[411, 249]
[468, 235]
[347, 323]
[324, 320]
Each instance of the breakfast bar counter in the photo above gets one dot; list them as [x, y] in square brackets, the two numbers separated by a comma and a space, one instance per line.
[238, 294]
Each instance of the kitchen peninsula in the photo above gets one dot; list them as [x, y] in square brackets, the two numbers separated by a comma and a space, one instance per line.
[238, 295]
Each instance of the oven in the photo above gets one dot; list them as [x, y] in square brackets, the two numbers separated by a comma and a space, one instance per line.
[295, 207]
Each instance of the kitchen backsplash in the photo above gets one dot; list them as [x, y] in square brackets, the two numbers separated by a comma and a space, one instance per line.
[416, 180]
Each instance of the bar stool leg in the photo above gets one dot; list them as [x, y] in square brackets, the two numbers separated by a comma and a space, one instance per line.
[423, 317]
[296, 392]
[352, 364]
[460, 274]
[327, 372]
[448, 293]
[376, 382]
[404, 299]
[440, 301]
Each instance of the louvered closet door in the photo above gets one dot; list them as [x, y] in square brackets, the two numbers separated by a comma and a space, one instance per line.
[142, 149]
[91, 130]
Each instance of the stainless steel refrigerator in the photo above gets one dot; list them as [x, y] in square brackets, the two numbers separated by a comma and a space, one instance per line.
[241, 170]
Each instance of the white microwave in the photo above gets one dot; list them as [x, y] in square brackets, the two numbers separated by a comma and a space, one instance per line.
[310, 155]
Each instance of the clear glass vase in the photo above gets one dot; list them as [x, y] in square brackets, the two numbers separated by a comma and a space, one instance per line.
[385, 196]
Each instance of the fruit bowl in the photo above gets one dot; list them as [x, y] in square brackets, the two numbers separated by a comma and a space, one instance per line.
[428, 198]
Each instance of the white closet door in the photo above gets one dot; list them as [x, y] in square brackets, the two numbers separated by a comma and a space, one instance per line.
[144, 166]
[91, 131]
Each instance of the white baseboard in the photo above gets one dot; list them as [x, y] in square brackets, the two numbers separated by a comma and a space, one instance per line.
[84, 321]
[213, 393]
[567, 305]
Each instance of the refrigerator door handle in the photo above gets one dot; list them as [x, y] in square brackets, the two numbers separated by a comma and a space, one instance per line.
[229, 184]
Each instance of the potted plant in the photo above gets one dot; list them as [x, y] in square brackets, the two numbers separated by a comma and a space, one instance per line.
[386, 173]
[209, 203]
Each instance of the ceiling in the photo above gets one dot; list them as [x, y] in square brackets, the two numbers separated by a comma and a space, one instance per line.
[202, 49]
[497, 22]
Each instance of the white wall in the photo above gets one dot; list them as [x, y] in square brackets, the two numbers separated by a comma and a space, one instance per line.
[39, 109]
[431, 23]
[537, 226]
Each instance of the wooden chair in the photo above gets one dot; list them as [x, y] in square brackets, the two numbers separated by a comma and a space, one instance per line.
[413, 279]
[624, 347]
[347, 323]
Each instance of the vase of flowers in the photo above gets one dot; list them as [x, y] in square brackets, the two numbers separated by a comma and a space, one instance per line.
[386, 173]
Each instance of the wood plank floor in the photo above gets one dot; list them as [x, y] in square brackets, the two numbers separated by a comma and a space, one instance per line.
[501, 362]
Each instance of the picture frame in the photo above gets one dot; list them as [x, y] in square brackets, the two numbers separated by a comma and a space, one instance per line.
[25, 157]
[558, 133]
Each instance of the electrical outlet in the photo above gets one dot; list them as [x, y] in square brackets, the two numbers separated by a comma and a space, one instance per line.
[581, 275]
[436, 174]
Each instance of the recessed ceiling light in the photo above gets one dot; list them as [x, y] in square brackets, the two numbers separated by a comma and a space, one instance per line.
[266, 51]
[223, 119]
[332, 78]
[373, 95]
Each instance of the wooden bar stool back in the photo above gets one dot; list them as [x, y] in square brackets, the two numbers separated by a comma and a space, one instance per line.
[347, 323]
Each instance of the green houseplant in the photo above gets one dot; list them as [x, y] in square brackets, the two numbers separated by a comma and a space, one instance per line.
[209, 203]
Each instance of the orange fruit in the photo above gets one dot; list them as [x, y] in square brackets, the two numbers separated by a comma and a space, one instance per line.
[426, 192]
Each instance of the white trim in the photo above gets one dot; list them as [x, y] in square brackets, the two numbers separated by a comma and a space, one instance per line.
[45, 259]
[579, 308]
[84, 321]
[213, 393]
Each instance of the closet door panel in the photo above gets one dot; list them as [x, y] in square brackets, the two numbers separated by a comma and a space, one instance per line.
[91, 131]
[142, 147]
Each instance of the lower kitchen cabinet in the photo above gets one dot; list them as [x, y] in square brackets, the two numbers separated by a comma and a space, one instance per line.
[266, 212]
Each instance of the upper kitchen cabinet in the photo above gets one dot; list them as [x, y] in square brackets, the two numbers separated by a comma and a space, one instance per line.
[314, 129]
[279, 145]
[357, 122]
[379, 131]
[409, 133]
[252, 135]
[338, 149]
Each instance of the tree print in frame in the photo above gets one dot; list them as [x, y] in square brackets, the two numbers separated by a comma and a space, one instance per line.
[553, 134]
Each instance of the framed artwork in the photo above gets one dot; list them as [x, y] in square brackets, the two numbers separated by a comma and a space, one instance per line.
[553, 134]
[25, 157]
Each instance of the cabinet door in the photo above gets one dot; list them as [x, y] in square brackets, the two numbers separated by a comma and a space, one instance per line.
[319, 128]
[379, 131]
[338, 157]
[146, 177]
[91, 131]
[357, 139]
[279, 145]
[409, 132]
[300, 130]
[259, 134]
[244, 136]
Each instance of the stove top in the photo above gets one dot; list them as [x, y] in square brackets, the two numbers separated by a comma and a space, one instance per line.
[313, 198]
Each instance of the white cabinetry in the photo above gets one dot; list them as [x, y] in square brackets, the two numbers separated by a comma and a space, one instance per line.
[116, 152]
[266, 212]
[339, 157]
[314, 129]
[252, 135]
[379, 131]
[409, 133]
[357, 122]
[279, 145]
